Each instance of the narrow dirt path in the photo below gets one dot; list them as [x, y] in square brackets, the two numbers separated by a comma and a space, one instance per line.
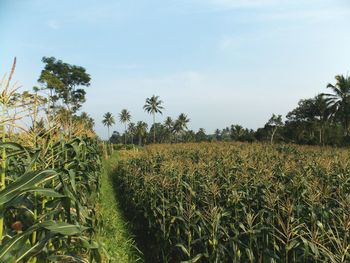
[115, 233]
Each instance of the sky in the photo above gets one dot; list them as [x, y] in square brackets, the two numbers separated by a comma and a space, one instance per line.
[221, 62]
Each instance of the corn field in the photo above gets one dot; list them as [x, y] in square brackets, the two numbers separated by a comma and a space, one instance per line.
[49, 182]
[235, 202]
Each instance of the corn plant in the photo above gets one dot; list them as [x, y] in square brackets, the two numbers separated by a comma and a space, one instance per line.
[49, 183]
[235, 202]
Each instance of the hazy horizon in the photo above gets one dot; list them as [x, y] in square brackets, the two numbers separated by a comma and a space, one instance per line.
[221, 62]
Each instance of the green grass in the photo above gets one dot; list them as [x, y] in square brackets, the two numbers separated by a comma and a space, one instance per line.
[114, 232]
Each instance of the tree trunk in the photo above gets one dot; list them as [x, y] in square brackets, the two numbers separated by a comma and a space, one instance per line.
[154, 128]
[320, 137]
[323, 135]
[273, 134]
[125, 135]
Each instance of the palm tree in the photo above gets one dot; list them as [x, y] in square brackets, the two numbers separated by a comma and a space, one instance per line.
[168, 123]
[181, 123]
[141, 129]
[236, 132]
[322, 114]
[108, 120]
[169, 126]
[132, 130]
[339, 102]
[153, 106]
[124, 117]
[218, 135]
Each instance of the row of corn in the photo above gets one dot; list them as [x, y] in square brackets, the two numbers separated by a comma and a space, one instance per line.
[50, 181]
[47, 205]
[233, 202]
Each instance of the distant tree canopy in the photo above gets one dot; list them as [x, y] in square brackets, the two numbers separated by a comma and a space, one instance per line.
[64, 82]
[323, 120]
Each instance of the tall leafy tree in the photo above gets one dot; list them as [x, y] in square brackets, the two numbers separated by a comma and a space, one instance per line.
[65, 82]
[124, 117]
[108, 120]
[339, 100]
[274, 123]
[152, 106]
[301, 121]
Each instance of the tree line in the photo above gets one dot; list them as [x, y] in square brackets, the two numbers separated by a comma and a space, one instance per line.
[321, 120]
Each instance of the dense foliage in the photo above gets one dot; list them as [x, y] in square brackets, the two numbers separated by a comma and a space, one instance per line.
[49, 202]
[50, 172]
[236, 202]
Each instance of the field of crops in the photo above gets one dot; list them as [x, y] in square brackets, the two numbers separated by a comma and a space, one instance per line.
[233, 202]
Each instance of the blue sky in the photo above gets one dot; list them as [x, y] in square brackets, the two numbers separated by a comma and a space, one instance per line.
[221, 62]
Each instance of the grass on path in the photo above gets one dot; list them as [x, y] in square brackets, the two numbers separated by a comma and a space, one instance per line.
[114, 231]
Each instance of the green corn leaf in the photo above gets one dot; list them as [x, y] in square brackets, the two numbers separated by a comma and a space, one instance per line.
[63, 228]
[183, 249]
[194, 260]
[49, 192]
[28, 251]
[13, 146]
[25, 182]
[9, 249]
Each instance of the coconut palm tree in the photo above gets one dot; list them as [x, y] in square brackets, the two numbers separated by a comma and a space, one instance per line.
[182, 121]
[108, 120]
[218, 135]
[322, 114]
[181, 124]
[168, 123]
[152, 106]
[132, 131]
[141, 130]
[124, 117]
[169, 126]
[339, 101]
